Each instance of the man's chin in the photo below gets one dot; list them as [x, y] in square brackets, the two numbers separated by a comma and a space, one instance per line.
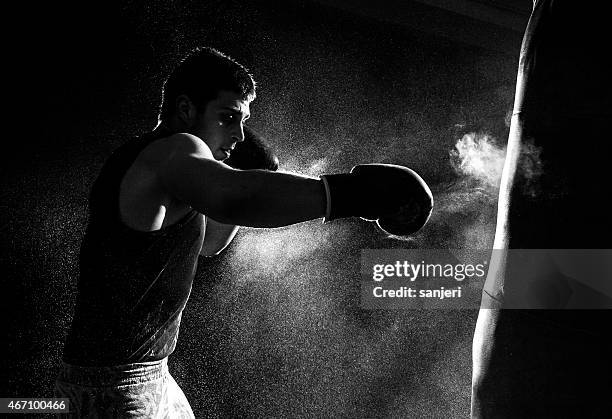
[221, 155]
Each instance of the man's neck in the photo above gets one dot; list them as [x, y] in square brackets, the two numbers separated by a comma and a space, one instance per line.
[170, 126]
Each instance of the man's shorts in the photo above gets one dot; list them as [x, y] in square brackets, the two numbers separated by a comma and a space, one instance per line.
[140, 390]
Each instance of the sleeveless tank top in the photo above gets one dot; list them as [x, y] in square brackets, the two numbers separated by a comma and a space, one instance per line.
[133, 286]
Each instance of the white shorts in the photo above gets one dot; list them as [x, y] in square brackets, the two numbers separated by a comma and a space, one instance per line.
[140, 390]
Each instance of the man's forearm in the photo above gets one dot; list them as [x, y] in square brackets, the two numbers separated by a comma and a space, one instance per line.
[266, 199]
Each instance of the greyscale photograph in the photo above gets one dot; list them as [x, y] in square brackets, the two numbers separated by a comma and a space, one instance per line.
[307, 209]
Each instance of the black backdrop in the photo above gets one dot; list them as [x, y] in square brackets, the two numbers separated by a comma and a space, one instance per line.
[274, 325]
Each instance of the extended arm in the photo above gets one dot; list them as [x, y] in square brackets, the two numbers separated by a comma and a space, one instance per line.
[254, 198]
[395, 196]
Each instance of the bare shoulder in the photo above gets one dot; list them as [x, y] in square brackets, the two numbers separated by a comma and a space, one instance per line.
[146, 203]
[175, 146]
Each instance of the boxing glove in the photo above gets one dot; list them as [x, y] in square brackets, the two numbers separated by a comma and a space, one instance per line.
[252, 153]
[394, 196]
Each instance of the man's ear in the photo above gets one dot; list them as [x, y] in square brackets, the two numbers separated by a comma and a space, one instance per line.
[185, 110]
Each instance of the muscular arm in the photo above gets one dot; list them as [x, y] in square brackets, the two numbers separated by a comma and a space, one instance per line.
[254, 198]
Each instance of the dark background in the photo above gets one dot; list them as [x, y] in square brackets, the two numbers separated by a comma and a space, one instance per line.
[274, 326]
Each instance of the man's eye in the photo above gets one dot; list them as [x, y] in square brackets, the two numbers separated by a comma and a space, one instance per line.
[228, 118]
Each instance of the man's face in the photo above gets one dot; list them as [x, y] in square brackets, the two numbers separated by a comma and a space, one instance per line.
[220, 126]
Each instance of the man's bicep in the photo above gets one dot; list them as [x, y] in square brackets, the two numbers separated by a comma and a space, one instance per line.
[190, 174]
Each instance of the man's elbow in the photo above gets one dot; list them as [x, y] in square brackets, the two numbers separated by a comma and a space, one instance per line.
[210, 251]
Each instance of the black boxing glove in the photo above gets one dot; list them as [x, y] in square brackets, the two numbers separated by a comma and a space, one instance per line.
[252, 153]
[395, 196]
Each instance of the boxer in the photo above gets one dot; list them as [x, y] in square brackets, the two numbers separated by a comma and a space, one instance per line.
[166, 197]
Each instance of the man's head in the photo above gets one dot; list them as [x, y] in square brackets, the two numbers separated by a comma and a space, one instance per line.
[208, 94]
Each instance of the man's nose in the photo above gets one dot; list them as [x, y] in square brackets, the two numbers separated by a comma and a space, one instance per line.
[239, 134]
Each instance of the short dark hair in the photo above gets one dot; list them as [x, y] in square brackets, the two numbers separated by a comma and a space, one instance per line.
[201, 75]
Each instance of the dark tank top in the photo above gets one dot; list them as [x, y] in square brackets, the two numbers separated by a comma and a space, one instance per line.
[133, 285]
